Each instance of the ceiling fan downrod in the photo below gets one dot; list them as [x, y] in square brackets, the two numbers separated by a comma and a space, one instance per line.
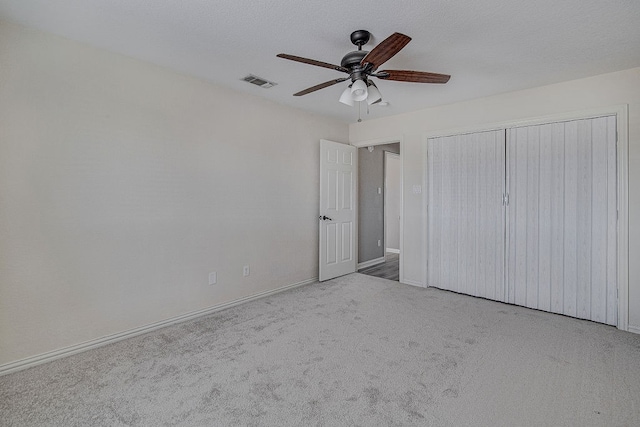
[360, 38]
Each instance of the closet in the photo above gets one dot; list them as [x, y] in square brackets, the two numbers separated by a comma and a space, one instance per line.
[527, 215]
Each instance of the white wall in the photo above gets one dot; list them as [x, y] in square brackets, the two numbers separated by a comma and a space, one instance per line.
[599, 91]
[122, 185]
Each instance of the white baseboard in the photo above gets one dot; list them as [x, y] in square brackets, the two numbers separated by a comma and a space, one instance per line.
[393, 251]
[371, 263]
[39, 359]
[634, 329]
[413, 283]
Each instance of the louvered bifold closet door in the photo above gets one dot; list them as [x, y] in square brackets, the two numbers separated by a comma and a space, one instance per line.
[562, 218]
[466, 219]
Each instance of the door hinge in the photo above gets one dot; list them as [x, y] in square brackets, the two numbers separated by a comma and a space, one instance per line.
[505, 199]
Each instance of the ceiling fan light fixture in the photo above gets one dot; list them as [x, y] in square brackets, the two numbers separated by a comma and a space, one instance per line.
[359, 90]
[346, 97]
[374, 95]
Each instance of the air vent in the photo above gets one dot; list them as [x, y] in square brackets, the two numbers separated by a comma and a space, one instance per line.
[259, 81]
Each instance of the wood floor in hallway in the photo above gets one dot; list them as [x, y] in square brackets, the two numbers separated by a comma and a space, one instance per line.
[390, 269]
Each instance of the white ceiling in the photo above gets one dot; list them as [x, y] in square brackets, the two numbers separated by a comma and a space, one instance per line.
[489, 46]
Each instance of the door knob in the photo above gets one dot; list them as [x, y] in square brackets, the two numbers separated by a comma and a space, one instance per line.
[324, 218]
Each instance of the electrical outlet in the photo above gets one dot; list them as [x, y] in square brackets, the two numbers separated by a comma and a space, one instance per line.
[213, 278]
[379, 243]
[245, 270]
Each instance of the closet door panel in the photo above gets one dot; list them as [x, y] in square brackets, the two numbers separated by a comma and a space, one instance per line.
[465, 214]
[518, 225]
[612, 229]
[562, 218]
[598, 296]
[570, 229]
[544, 217]
[532, 195]
[584, 220]
[557, 216]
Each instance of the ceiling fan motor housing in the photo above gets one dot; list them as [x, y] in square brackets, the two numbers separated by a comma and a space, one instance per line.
[352, 59]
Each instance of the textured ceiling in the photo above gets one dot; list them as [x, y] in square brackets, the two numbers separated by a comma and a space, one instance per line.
[489, 46]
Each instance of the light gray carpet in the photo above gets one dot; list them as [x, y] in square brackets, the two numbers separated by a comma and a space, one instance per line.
[357, 350]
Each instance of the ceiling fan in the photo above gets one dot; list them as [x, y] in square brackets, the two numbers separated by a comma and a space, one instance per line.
[361, 65]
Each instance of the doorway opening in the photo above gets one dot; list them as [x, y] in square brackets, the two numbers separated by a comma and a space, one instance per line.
[379, 213]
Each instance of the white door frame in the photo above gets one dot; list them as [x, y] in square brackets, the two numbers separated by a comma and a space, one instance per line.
[392, 140]
[622, 123]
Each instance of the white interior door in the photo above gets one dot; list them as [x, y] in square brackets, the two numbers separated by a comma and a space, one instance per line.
[562, 218]
[338, 175]
[466, 217]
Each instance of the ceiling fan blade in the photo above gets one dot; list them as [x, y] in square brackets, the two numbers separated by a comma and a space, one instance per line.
[385, 50]
[312, 62]
[320, 86]
[413, 76]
